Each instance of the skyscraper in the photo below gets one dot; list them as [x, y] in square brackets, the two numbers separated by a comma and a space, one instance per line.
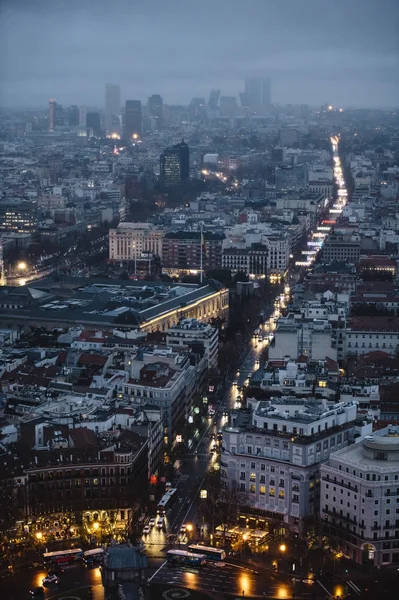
[214, 99]
[55, 115]
[73, 116]
[257, 92]
[175, 164]
[112, 103]
[93, 121]
[133, 118]
[51, 111]
[155, 109]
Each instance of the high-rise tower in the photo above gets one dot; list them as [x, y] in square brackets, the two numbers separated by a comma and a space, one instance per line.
[112, 103]
[133, 118]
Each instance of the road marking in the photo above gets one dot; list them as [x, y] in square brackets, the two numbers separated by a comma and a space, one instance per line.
[354, 587]
[324, 588]
[157, 571]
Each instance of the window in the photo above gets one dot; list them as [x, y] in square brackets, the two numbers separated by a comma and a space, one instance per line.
[252, 477]
[281, 494]
[252, 488]
[271, 491]
[262, 490]
[263, 467]
[252, 465]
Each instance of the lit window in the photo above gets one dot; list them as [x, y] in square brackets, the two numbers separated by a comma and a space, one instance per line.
[271, 491]
[252, 477]
[262, 490]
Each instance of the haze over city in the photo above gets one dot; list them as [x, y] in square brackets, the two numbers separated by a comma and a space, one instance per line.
[344, 53]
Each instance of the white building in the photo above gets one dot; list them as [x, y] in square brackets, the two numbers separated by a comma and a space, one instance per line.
[274, 454]
[189, 331]
[129, 240]
[278, 247]
[367, 334]
[163, 378]
[359, 498]
[313, 339]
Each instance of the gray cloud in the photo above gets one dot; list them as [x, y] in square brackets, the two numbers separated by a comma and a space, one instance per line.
[345, 52]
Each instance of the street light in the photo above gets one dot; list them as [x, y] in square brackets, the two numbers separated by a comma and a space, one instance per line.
[22, 266]
[39, 535]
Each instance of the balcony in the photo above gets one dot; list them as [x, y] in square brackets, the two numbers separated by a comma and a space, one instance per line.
[339, 517]
[376, 528]
[345, 485]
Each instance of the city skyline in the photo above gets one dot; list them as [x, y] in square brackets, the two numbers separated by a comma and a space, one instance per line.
[314, 54]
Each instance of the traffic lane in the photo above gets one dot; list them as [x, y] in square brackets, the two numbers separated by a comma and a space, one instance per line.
[227, 578]
[17, 586]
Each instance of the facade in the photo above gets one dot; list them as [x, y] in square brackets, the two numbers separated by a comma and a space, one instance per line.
[73, 116]
[339, 247]
[93, 121]
[191, 331]
[175, 164]
[97, 485]
[278, 257]
[55, 115]
[18, 215]
[181, 252]
[251, 261]
[313, 339]
[359, 498]
[257, 92]
[133, 119]
[369, 334]
[274, 455]
[130, 240]
[213, 101]
[155, 109]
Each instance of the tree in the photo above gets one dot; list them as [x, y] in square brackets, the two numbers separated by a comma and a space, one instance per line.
[9, 512]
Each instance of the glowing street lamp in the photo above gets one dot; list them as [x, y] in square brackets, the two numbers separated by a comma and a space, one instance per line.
[96, 525]
[39, 535]
[189, 527]
[22, 266]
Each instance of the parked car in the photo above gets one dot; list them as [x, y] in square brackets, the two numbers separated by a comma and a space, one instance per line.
[147, 530]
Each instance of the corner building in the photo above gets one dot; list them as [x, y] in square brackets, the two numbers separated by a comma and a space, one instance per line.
[274, 454]
[359, 498]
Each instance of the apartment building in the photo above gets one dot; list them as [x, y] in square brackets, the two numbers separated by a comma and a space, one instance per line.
[251, 261]
[166, 379]
[189, 332]
[359, 498]
[130, 240]
[278, 247]
[186, 251]
[368, 334]
[273, 452]
[339, 246]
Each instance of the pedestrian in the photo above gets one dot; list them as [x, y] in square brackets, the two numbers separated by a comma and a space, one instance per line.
[243, 592]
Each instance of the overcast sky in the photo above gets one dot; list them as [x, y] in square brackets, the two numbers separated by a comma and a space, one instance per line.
[344, 52]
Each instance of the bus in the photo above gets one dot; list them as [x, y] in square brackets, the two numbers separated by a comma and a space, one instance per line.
[165, 501]
[210, 553]
[93, 557]
[182, 557]
[62, 557]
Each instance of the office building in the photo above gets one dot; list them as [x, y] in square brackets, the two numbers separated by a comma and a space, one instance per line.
[155, 109]
[130, 240]
[213, 101]
[112, 103]
[18, 215]
[93, 121]
[257, 92]
[133, 119]
[73, 116]
[289, 136]
[82, 116]
[191, 332]
[175, 164]
[341, 246]
[359, 498]
[251, 261]
[55, 115]
[274, 453]
[181, 252]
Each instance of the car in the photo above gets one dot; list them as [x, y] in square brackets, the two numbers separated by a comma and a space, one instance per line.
[50, 579]
[37, 591]
[160, 523]
[146, 530]
[151, 522]
[183, 529]
[235, 382]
